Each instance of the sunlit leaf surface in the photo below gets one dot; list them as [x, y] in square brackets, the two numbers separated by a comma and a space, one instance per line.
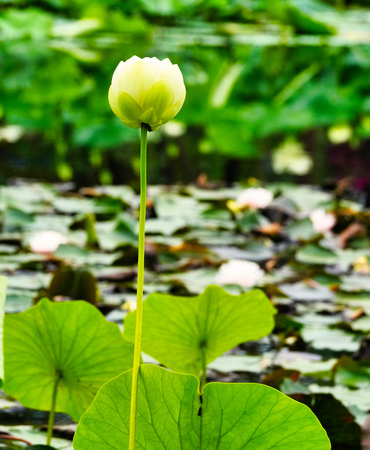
[185, 334]
[69, 341]
[172, 415]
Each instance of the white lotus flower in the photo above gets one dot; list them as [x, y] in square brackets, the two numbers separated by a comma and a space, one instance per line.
[243, 273]
[146, 91]
[322, 221]
[256, 198]
[46, 242]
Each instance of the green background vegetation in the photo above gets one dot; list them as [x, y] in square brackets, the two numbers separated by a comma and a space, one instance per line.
[261, 75]
[277, 90]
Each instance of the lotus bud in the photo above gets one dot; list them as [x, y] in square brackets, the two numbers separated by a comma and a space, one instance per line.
[146, 91]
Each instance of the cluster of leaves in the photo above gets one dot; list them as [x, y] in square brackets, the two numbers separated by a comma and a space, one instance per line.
[318, 352]
[256, 73]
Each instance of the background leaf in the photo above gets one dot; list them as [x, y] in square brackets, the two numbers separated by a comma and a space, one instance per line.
[3, 283]
[313, 254]
[181, 331]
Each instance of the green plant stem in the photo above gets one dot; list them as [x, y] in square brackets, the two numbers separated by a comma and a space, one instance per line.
[203, 379]
[140, 285]
[49, 434]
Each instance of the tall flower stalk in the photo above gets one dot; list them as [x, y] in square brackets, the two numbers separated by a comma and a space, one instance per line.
[145, 93]
[140, 287]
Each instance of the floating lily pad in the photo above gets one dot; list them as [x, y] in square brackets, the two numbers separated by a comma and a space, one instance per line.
[257, 251]
[352, 373]
[306, 363]
[348, 396]
[354, 299]
[15, 219]
[174, 205]
[3, 282]
[32, 282]
[8, 249]
[82, 256]
[239, 363]
[362, 324]
[313, 254]
[327, 338]
[195, 281]
[355, 283]
[303, 292]
[250, 220]
[74, 205]
[37, 437]
[18, 300]
[306, 198]
[164, 226]
[301, 230]
[348, 256]
[124, 193]
[124, 233]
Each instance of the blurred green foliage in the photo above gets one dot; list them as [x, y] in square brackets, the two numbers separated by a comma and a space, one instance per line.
[261, 75]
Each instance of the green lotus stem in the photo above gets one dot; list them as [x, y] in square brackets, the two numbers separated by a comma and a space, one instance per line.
[49, 434]
[140, 285]
[203, 379]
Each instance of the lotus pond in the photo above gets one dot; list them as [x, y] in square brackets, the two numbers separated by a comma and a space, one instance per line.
[318, 352]
[257, 243]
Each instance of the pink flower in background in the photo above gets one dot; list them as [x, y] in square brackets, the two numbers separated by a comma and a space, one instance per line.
[256, 198]
[322, 221]
[237, 271]
[47, 241]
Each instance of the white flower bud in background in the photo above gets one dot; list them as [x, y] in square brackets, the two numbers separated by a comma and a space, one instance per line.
[146, 91]
[256, 198]
[46, 242]
[237, 271]
[11, 133]
[322, 221]
[291, 157]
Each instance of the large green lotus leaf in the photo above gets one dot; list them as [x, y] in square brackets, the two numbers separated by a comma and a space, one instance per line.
[181, 332]
[70, 338]
[171, 415]
[255, 416]
[3, 283]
